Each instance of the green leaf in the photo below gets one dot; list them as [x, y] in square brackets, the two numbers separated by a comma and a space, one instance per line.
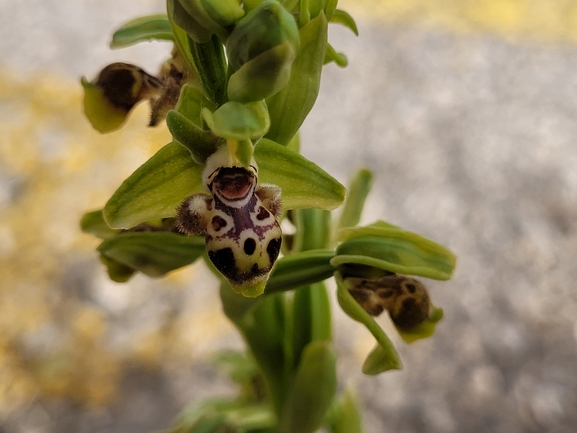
[199, 142]
[311, 317]
[313, 389]
[359, 188]
[299, 270]
[394, 250]
[384, 357]
[346, 416]
[303, 183]
[342, 17]
[94, 223]
[142, 29]
[289, 108]
[155, 189]
[153, 253]
[237, 121]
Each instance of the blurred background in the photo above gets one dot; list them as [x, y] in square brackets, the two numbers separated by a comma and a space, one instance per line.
[466, 112]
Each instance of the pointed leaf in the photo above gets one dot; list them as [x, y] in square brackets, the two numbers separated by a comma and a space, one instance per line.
[313, 389]
[358, 190]
[289, 108]
[342, 17]
[303, 183]
[142, 29]
[155, 189]
[384, 357]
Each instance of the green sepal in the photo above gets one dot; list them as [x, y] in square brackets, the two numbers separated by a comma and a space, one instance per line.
[423, 330]
[94, 223]
[224, 12]
[342, 17]
[102, 115]
[237, 121]
[153, 253]
[383, 357]
[304, 184]
[313, 229]
[155, 189]
[358, 191]
[199, 142]
[317, 6]
[289, 108]
[189, 24]
[299, 270]
[313, 389]
[346, 416]
[392, 249]
[117, 272]
[333, 56]
[266, 74]
[151, 27]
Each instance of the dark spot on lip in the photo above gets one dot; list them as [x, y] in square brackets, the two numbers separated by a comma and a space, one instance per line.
[411, 288]
[262, 214]
[249, 246]
[224, 261]
[218, 223]
[273, 249]
[384, 294]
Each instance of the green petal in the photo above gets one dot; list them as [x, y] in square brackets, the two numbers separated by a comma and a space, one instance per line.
[237, 121]
[289, 108]
[153, 253]
[117, 272]
[299, 270]
[342, 17]
[94, 223]
[394, 250]
[155, 189]
[303, 183]
[384, 356]
[200, 143]
[313, 390]
[142, 29]
[191, 102]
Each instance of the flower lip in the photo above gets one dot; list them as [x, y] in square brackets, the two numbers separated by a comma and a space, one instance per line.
[234, 183]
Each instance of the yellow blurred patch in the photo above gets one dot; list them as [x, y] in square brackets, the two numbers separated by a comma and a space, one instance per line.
[521, 19]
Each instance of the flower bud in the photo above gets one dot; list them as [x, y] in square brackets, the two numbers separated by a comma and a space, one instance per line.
[116, 90]
[261, 49]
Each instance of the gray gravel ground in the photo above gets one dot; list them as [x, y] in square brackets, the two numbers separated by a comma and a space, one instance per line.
[471, 140]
